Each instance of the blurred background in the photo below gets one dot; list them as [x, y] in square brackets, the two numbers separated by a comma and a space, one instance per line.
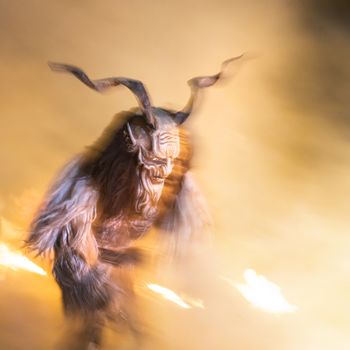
[272, 157]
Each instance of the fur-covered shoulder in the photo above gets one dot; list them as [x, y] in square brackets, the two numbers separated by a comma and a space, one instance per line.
[65, 217]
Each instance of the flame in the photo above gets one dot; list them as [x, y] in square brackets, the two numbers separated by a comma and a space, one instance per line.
[184, 302]
[15, 261]
[262, 293]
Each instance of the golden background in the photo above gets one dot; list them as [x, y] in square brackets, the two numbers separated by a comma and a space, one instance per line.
[272, 154]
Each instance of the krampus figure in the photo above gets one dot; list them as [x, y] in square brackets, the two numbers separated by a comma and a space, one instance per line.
[137, 177]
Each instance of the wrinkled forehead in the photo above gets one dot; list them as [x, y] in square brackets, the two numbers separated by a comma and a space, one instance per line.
[163, 141]
[164, 119]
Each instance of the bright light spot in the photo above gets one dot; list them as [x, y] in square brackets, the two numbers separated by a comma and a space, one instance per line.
[15, 261]
[168, 294]
[262, 293]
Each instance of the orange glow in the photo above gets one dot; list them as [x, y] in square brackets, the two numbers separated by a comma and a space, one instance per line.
[16, 261]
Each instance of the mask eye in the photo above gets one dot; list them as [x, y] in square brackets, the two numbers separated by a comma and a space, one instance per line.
[140, 133]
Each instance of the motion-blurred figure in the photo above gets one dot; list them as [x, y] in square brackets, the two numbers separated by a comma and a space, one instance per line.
[136, 177]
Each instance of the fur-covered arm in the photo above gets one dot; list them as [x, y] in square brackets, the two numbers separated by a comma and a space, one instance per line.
[186, 220]
[63, 225]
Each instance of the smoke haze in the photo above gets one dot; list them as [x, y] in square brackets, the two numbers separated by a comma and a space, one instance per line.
[272, 156]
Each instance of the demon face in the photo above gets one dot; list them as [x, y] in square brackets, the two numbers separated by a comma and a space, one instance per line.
[155, 149]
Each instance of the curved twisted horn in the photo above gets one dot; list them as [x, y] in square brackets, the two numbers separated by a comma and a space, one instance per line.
[199, 83]
[101, 85]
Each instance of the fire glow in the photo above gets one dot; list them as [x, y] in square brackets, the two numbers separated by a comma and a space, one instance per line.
[17, 261]
[262, 293]
[168, 294]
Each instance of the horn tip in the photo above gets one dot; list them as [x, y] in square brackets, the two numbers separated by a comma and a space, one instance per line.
[62, 67]
[56, 67]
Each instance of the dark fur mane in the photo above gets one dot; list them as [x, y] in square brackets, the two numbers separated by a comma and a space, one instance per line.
[113, 170]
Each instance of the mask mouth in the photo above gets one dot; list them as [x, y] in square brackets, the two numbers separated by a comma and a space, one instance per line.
[158, 173]
[157, 179]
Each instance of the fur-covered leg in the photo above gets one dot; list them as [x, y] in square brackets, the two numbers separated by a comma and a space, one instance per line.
[85, 288]
[86, 295]
[64, 225]
[123, 310]
[83, 333]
